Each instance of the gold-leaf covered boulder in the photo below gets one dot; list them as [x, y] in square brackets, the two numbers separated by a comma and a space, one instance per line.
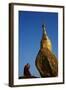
[46, 62]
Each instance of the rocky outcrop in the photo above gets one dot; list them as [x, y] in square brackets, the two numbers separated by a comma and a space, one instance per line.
[46, 63]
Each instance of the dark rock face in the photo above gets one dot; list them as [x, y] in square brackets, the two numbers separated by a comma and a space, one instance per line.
[46, 63]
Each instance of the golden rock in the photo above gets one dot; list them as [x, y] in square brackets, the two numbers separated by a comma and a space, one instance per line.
[46, 62]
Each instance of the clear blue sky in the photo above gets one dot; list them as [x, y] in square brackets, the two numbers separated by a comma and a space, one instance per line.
[30, 34]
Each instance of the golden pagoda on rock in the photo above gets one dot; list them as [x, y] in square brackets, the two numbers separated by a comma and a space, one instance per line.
[46, 62]
[45, 42]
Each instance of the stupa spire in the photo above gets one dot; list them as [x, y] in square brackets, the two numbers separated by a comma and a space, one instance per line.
[45, 42]
[44, 29]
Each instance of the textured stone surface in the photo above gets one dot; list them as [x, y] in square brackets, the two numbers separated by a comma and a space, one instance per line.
[46, 63]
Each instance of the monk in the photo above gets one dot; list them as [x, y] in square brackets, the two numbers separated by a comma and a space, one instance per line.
[27, 73]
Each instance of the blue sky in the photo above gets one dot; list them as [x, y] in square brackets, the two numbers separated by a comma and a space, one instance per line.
[30, 35]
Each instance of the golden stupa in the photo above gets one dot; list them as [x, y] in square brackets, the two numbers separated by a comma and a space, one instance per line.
[46, 62]
[45, 42]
